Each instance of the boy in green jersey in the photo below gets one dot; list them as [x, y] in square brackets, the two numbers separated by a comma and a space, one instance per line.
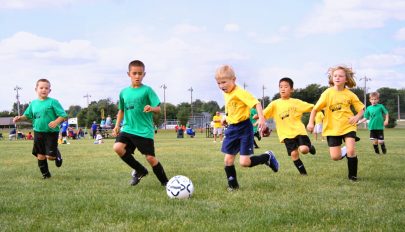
[46, 114]
[137, 103]
[378, 116]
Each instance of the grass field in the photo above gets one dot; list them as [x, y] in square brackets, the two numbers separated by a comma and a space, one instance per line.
[90, 192]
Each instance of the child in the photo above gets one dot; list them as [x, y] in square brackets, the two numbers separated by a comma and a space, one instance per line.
[217, 119]
[318, 125]
[46, 114]
[256, 133]
[239, 135]
[136, 105]
[99, 138]
[64, 129]
[340, 122]
[287, 113]
[376, 113]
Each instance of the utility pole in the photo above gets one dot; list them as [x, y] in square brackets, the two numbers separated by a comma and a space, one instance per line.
[164, 87]
[16, 88]
[88, 97]
[263, 88]
[191, 91]
[399, 111]
[244, 85]
[365, 78]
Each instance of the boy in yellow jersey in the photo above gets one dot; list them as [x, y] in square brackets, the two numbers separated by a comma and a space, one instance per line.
[287, 113]
[318, 125]
[217, 119]
[340, 122]
[239, 134]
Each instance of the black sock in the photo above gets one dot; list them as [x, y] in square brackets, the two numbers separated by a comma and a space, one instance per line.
[160, 173]
[376, 148]
[133, 163]
[300, 166]
[259, 159]
[255, 144]
[43, 167]
[231, 176]
[383, 148]
[352, 166]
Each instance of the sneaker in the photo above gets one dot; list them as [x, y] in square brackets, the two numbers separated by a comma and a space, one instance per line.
[58, 160]
[272, 162]
[136, 177]
[353, 178]
[312, 150]
[46, 176]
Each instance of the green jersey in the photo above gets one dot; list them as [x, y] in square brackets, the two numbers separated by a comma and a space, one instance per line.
[42, 112]
[253, 112]
[376, 113]
[132, 102]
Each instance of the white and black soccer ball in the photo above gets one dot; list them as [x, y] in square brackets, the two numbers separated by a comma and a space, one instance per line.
[179, 187]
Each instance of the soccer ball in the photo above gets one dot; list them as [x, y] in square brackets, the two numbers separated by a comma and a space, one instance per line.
[179, 187]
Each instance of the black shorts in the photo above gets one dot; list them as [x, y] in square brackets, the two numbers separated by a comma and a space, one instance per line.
[377, 134]
[45, 143]
[334, 141]
[293, 144]
[145, 145]
[64, 134]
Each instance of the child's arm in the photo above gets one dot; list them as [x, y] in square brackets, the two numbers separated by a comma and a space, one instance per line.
[386, 119]
[310, 126]
[353, 120]
[149, 108]
[261, 122]
[19, 118]
[120, 116]
[56, 122]
[362, 120]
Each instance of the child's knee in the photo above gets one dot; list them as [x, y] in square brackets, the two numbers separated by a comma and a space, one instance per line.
[152, 160]
[119, 148]
[303, 149]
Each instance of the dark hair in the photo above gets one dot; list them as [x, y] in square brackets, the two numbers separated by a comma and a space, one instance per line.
[288, 80]
[136, 63]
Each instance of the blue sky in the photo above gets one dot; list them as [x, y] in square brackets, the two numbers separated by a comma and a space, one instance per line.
[85, 46]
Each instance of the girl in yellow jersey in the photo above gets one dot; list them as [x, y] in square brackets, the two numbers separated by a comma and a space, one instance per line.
[340, 122]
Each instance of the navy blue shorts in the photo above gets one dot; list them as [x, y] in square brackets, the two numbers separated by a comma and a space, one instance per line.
[238, 139]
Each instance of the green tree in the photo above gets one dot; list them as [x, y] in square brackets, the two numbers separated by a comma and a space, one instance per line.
[73, 111]
[210, 107]
[183, 113]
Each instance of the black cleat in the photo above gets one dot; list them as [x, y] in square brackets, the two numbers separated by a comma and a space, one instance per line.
[353, 178]
[58, 160]
[312, 150]
[136, 177]
[384, 150]
[46, 175]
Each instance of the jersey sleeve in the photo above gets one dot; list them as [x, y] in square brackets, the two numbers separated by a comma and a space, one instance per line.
[321, 103]
[305, 106]
[28, 112]
[367, 113]
[153, 98]
[121, 103]
[268, 112]
[357, 104]
[385, 111]
[59, 111]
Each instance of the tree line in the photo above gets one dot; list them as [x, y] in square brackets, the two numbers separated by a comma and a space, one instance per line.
[181, 112]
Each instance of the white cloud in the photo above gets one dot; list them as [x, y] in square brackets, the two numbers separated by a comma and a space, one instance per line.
[400, 35]
[188, 29]
[381, 61]
[335, 16]
[231, 27]
[28, 4]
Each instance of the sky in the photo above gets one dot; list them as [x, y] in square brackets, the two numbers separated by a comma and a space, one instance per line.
[84, 46]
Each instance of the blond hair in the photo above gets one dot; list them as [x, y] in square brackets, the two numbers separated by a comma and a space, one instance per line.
[350, 82]
[43, 80]
[375, 95]
[225, 71]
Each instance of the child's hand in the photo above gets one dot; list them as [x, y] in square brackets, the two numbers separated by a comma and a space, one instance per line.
[52, 124]
[16, 119]
[116, 131]
[353, 120]
[147, 108]
[385, 123]
[310, 127]
[261, 124]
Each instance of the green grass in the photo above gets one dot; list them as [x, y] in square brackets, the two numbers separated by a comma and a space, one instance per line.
[90, 192]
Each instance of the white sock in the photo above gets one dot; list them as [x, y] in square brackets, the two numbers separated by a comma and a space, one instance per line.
[344, 151]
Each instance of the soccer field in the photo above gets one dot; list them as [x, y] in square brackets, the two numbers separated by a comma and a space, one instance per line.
[91, 191]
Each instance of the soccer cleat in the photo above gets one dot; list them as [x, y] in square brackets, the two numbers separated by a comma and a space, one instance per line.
[312, 150]
[58, 160]
[384, 150]
[353, 178]
[136, 177]
[272, 162]
[232, 189]
[46, 175]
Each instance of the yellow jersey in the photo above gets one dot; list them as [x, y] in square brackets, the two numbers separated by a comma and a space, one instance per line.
[336, 105]
[287, 114]
[238, 104]
[319, 117]
[217, 121]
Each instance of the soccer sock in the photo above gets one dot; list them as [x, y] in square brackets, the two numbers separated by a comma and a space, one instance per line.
[43, 167]
[259, 159]
[231, 176]
[255, 144]
[133, 163]
[383, 148]
[352, 163]
[160, 173]
[376, 148]
[300, 166]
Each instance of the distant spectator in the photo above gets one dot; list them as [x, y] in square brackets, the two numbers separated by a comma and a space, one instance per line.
[108, 122]
[13, 134]
[94, 129]
[29, 136]
[102, 123]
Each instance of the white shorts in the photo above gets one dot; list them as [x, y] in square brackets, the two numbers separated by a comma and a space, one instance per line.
[318, 128]
[218, 131]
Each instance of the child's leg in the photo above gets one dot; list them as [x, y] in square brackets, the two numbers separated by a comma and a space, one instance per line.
[157, 169]
[375, 146]
[43, 166]
[382, 144]
[297, 161]
[231, 171]
[128, 158]
[352, 161]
